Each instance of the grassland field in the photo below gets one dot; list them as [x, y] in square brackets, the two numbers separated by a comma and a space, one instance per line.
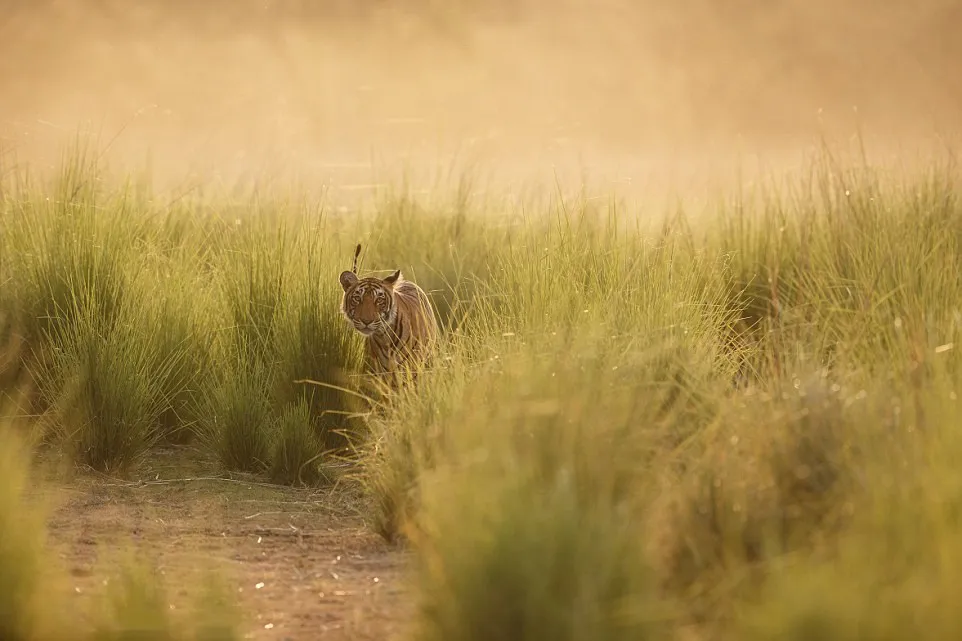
[733, 424]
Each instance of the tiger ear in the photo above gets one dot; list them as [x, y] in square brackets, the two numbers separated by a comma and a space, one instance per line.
[348, 279]
[390, 280]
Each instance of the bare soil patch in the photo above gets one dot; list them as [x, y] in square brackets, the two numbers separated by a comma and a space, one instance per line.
[302, 562]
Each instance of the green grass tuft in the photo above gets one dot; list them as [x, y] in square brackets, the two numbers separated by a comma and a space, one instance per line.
[296, 451]
[237, 417]
[107, 393]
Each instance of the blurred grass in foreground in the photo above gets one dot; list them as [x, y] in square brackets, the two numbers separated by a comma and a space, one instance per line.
[35, 593]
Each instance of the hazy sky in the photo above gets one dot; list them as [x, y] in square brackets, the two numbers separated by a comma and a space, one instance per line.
[619, 86]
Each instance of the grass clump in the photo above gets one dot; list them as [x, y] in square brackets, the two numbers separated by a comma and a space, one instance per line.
[114, 391]
[136, 607]
[70, 251]
[108, 407]
[315, 344]
[283, 309]
[529, 523]
[536, 563]
[237, 417]
[255, 282]
[104, 331]
[182, 357]
[126, 321]
[775, 474]
[296, 451]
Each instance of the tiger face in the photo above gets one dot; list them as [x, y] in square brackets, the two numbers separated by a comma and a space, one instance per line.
[369, 303]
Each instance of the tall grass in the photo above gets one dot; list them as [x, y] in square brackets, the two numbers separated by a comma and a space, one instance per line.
[528, 522]
[142, 329]
[282, 326]
[703, 405]
[445, 245]
[892, 571]
[630, 429]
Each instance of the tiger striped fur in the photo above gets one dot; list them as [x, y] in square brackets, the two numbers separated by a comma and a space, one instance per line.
[395, 317]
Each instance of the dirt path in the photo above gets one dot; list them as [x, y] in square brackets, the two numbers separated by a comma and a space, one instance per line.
[302, 564]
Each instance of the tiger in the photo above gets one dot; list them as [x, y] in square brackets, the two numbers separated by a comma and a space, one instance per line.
[395, 317]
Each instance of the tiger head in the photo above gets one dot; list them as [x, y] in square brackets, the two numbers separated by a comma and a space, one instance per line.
[369, 303]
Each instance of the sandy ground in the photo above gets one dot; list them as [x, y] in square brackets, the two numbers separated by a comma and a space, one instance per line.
[640, 95]
[301, 563]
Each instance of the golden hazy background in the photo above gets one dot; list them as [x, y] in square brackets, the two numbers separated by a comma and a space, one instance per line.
[341, 92]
